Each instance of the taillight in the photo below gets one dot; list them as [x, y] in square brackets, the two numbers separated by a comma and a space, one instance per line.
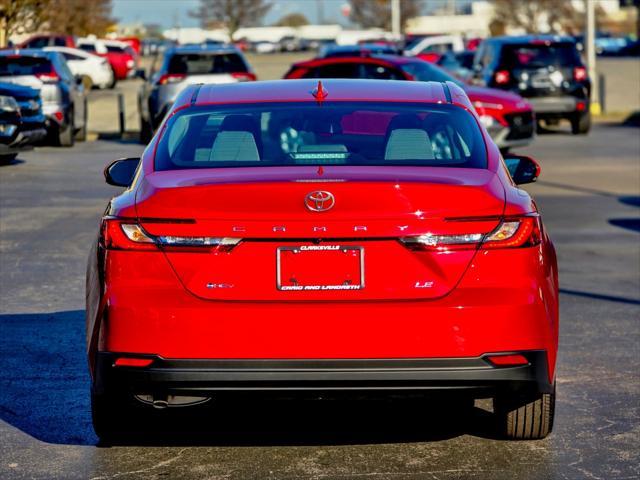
[49, 77]
[502, 77]
[171, 78]
[515, 232]
[244, 76]
[511, 233]
[125, 234]
[579, 74]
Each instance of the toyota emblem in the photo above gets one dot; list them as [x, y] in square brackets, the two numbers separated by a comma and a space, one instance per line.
[319, 201]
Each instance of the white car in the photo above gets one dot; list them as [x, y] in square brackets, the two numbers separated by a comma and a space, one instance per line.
[95, 71]
[439, 44]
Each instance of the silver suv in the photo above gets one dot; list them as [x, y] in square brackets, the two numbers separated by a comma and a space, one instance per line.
[182, 66]
[63, 96]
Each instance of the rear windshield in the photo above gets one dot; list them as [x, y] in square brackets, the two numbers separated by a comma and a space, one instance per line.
[15, 66]
[115, 49]
[540, 55]
[202, 63]
[426, 72]
[334, 133]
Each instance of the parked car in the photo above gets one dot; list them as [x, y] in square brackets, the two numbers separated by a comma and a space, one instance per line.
[459, 64]
[95, 71]
[507, 116]
[182, 66]
[432, 48]
[384, 247]
[63, 96]
[265, 46]
[48, 40]
[363, 50]
[545, 69]
[121, 57]
[22, 123]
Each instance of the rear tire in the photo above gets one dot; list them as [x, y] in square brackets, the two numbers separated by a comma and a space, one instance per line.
[66, 137]
[528, 418]
[107, 421]
[146, 133]
[87, 82]
[580, 123]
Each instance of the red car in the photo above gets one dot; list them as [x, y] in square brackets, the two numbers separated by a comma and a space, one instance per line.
[507, 116]
[121, 57]
[340, 235]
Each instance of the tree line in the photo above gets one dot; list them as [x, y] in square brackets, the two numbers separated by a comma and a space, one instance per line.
[69, 17]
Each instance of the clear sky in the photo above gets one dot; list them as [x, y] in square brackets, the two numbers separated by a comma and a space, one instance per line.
[168, 13]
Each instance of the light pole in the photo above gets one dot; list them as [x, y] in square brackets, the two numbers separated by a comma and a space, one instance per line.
[395, 17]
[590, 45]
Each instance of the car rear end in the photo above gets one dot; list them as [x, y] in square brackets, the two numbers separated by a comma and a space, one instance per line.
[23, 123]
[320, 245]
[550, 74]
[36, 69]
[187, 66]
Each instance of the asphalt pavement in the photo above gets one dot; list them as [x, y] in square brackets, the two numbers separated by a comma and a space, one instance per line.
[589, 193]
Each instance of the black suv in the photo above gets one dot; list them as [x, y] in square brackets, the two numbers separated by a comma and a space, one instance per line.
[545, 69]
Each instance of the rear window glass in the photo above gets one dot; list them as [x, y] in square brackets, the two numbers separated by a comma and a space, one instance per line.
[24, 66]
[202, 64]
[115, 49]
[540, 55]
[87, 47]
[335, 133]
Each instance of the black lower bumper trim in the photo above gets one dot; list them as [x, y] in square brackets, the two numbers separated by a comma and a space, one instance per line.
[191, 377]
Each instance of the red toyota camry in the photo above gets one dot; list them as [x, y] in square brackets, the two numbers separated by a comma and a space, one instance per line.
[344, 235]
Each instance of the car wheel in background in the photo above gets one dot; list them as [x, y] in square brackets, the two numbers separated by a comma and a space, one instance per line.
[66, 137]
[580, 123]
[87, 83]
[6, 159]
[114, 80]
[526, 418]
[146, 133]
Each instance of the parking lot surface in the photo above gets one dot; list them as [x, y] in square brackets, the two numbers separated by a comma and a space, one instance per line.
[50, 203]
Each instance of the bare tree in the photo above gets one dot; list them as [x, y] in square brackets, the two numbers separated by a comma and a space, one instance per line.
[71, 17]
[20, 16]
[377, 13]
[79, 17]
[231, 13]
[559, 15]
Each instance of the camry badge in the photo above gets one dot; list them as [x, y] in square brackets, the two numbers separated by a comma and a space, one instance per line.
[319, 201]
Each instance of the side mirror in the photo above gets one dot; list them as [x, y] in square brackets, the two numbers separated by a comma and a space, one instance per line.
[121, 172]
[141, 74]
[522, 169]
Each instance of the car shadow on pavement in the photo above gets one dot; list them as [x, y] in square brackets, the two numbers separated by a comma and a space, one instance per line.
[15, 161]
[44, 392]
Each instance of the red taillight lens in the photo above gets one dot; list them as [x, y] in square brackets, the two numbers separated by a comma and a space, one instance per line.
[502, 77]
[515, 232]
[49, 77]
[507, 360]
[170, 78]
[511, 233]
[126, 234]
[579, 74]
[244, 76]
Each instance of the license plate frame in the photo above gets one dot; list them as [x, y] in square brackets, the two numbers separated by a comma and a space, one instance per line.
[318, 249]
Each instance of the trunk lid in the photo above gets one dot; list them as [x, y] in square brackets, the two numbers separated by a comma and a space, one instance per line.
[374, 207]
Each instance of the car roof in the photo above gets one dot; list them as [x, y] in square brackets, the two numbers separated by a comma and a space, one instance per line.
[29, 52]
[373, 58]
[532, 39]
[301, 90]
[202, 48]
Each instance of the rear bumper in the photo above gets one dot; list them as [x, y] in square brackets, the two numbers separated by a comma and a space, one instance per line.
[24, 140]
[476, 375]
[554, 106]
